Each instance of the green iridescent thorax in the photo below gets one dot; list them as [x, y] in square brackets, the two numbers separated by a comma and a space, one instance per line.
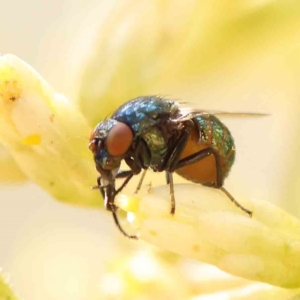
[157, 146]
[215, 133]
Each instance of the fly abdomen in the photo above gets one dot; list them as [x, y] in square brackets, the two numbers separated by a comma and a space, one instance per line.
[218, 136]
[208, 133]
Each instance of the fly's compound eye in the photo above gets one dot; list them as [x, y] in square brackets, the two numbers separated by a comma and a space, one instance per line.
[119, 139]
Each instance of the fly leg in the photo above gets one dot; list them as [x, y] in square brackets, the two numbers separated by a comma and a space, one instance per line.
[134, 169]
[115, 216]
[142, 157]
[114, 213]
[174, 157]
[219, 180]
[110, 195]
[167, 177]
[249, 212]
[172, 195]
[127, 175]
[99, 186]
[169, 180]
[135, 166]
[140, 182]
[121, 174]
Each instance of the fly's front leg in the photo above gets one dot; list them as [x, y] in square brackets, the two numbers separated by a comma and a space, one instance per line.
[99, 186]
[140, 155]
[116, 219]
[109, 204]
[109, 198]
[110, 194]
[134, 169]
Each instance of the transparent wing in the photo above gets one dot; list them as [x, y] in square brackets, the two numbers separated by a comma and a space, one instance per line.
[187, 110]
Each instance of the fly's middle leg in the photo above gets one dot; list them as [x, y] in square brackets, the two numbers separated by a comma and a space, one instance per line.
[140, 182]
[169, 179]
[172, 159]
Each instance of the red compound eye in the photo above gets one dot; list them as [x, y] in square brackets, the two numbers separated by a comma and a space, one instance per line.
[119, 139]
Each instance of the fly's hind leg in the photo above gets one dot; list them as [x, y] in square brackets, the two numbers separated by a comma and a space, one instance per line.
[249, 212]
[219, 180]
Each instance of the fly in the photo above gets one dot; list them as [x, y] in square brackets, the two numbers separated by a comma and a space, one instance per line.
[152, 132]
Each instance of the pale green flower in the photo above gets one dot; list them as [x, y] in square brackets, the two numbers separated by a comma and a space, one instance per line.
[210, 55]
[40, 129]
[209, 228]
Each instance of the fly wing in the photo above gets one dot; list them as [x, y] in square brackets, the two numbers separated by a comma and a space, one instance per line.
[187, 110]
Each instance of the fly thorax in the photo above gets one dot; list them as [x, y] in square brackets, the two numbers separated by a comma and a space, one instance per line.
[157, 146]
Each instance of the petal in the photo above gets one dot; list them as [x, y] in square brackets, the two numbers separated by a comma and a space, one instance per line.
[251, 291]
[10, 171]
[208, 227]
[45, 134]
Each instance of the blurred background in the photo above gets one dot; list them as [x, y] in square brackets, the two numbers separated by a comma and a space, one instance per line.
[240, 55]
